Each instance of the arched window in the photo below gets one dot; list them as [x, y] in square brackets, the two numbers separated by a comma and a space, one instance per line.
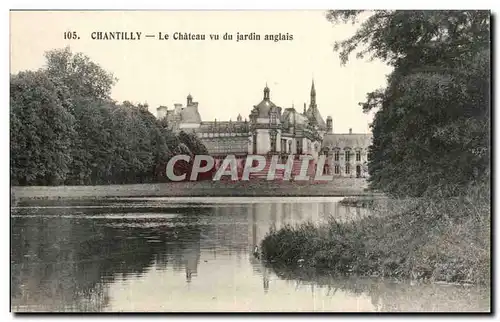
[273, 141]
[254, 143]
[299, 146]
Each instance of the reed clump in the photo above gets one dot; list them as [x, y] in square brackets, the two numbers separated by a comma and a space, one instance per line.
[436, 239]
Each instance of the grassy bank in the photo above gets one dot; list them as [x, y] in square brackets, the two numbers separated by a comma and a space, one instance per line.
[336, 187]
[425, 239]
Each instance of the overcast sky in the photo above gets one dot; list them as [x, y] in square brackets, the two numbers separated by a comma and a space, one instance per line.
[225, 77]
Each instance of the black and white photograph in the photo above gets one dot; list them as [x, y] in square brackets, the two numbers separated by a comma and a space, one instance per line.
[181, 161]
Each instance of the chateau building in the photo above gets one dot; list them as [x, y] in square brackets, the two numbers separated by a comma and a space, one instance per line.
[271, 129]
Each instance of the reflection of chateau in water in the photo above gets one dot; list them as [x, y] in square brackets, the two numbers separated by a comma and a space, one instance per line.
[239, 227]
[265, 215]
[70, 269]
[78, 264]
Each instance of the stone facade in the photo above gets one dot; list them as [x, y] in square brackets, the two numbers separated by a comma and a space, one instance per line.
[347, 153]
[274, 130]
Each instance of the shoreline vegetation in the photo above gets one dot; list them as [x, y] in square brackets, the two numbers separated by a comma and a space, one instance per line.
[336, 188]
[430, 155]
[356, 201]
[423, 239]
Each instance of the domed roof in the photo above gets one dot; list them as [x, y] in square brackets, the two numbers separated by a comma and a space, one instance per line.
[264, 107]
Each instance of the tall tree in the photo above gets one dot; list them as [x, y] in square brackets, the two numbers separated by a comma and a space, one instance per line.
[193, 143]
[41, 129]
[431, 129]
[83, 77]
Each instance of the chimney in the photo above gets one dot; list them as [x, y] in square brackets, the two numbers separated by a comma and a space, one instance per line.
[350, 131]
[161, 112]
[329, 124]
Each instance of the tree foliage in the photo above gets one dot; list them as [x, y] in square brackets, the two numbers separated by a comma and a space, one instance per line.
[432, 125]
[84, 78]
[41, 130]
[65, 128]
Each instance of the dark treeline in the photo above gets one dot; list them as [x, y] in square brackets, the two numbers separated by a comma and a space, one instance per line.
[431, 131]
[65, 128]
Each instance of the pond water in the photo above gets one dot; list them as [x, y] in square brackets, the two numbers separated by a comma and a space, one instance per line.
[191, 255]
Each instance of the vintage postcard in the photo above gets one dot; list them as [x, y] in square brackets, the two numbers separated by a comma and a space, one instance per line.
[250, 161]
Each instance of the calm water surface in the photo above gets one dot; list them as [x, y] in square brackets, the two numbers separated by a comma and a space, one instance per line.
[191, 254]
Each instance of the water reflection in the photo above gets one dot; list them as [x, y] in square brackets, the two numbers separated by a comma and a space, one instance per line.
[394, 296]
[189, 257]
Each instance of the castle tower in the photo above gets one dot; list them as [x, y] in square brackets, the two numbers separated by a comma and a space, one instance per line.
[264, 116]
[313, 113]
[312, 105]
[313, 95]
[189, 115]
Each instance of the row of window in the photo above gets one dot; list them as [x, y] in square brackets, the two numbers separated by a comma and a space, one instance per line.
[347, 169]
[228, 148]
[217, 134]
[347, 156]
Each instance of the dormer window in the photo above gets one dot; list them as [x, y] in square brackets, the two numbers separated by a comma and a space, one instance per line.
[274, 118]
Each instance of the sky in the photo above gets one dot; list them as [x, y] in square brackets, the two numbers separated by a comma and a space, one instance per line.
[226, 77]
